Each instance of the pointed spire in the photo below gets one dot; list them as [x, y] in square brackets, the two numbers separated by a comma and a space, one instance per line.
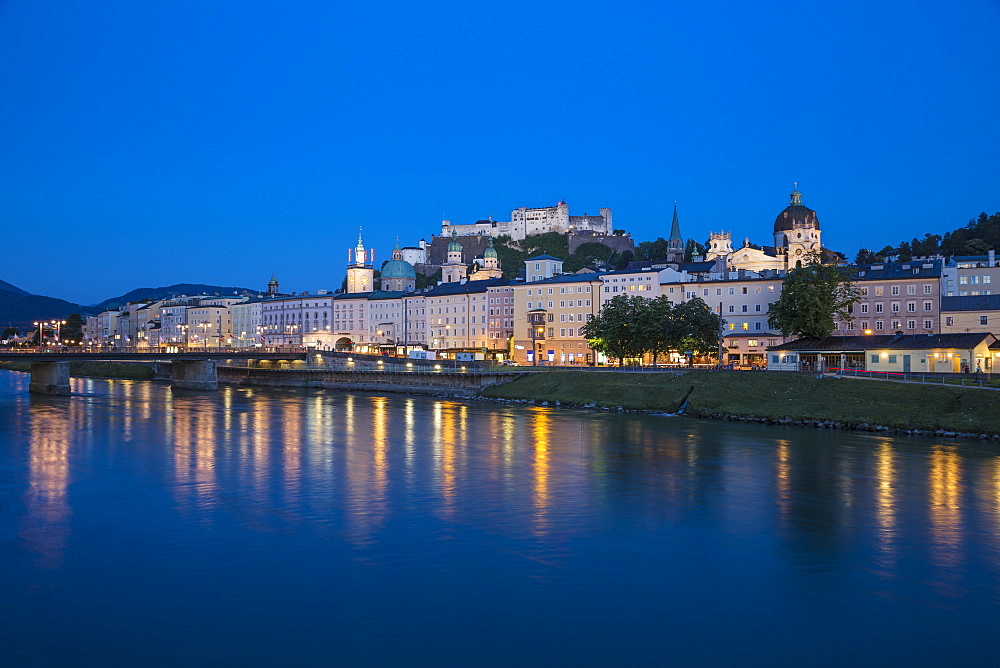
[359, 251]
[675, 227]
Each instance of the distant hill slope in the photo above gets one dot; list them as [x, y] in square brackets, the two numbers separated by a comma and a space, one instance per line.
[20, 309]
[142, 294]
[4, 285]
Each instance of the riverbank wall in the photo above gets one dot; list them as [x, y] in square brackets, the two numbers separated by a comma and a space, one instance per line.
[436, 383]
[774, 398]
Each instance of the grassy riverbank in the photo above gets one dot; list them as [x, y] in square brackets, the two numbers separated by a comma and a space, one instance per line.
[126, 370]
[774, 396]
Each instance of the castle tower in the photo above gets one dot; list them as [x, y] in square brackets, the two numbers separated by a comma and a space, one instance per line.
[360, 274]
[453, 270]
[675, 244]
[272, 286]
[398, 274]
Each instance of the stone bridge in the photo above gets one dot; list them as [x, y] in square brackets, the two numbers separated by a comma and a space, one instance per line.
[189, 370]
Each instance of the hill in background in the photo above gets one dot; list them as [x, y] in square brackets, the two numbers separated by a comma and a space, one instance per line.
[153, 294]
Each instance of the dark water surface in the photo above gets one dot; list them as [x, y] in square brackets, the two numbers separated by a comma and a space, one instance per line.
[143, 526]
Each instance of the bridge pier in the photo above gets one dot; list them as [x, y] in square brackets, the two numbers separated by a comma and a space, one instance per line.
[49, 378]
[194, 375]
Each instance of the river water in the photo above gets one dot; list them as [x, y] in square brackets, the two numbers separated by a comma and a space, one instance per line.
[140, 525]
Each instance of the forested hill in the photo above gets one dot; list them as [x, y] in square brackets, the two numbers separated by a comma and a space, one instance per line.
[979, 236]
[153, 294]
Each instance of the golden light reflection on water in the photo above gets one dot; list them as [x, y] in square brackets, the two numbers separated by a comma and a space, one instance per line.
[783, 482]
[945, 482]
[885, 503]
[540, 431]
[46, 527]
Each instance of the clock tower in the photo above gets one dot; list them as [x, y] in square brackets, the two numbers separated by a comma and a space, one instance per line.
[360, 274]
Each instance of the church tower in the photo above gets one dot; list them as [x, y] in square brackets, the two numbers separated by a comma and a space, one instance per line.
[719, 245]
[360, 274]
[272, 287]
[491, 264]
[675, 244]
[453, 270]
[796, 231]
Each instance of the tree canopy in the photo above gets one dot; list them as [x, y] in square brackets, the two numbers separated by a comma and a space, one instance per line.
[813, 297]
[629, 327]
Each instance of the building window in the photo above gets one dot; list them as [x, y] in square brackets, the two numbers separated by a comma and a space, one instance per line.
[875, 359]
[911, 289]
[895, 289]
[963, 280]
[949, 321]
[911, 307]
[864, 308]
[983, 320]
[892, 359]
[878, 324]
[911, 324]
[927, 324]
[927, 288]
[928, 306]
[878, 307]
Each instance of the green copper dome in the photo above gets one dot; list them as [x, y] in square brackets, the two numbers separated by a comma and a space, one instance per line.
[454, 246]
[490, 250]
[398, 269]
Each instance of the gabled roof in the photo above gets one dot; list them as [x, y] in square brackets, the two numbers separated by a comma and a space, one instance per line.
[971, 303]
[963, 341]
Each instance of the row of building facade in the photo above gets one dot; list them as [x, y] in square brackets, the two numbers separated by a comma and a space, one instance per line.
[538, 317]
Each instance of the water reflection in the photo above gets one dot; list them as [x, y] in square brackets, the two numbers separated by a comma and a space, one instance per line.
[545, 484]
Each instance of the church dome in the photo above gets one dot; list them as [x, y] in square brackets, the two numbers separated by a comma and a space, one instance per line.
[454, 246]
[398, 269]
[796, 215]
[490, 250]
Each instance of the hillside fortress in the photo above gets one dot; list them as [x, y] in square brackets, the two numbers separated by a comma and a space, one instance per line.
[526, 222]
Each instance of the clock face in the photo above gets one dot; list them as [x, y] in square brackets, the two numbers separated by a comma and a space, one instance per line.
[364, 280]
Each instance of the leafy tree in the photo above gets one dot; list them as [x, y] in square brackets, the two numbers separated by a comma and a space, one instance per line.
[619, 330]
[812, 297]
[652, 251]
[622, 259]
[865, 256]
[73, 329]
[694, 326]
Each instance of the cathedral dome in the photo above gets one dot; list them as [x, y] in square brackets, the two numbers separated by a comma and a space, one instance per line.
[796, 215]
[398, 269]
[454, 246]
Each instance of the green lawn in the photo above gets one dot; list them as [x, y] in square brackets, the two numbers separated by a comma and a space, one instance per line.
[770, 395]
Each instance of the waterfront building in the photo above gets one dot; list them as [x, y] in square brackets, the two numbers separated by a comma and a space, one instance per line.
[298, 320]
[350, 324]
[908, 353]
[500, 327]
[414, 324]
[549, 312]
[458, 315]
[246, 317]
[896, 297]
[385, 321]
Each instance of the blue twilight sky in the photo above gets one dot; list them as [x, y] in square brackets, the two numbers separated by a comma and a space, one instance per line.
[146, 144]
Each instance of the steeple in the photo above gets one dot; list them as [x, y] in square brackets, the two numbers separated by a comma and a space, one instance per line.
[675, 244]
[675, 228]
[359, 251]
[272, 286]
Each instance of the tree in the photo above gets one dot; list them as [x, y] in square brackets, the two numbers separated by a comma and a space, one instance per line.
[694, 326]
[73, 329]
[620, 330]
[864, 256]
[812, 298]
